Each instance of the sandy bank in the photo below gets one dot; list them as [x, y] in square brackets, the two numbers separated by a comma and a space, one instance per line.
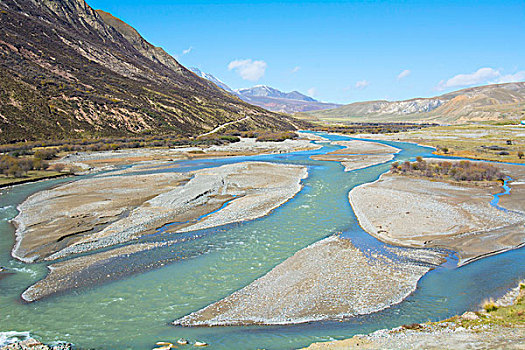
[417, 212]
[71, 273]
[330, 279]
[359, 154]
[102, 211]
[51, 220]
[433, 337]
[247, 146]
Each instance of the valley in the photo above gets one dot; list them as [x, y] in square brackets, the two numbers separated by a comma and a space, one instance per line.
[147, 204]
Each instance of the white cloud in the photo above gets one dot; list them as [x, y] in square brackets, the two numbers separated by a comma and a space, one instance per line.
[311, 92]
[404, 74]
[248, 69]
[509, 78]
[482, 75]
[187, 51]
[361, 84]
[295, 69]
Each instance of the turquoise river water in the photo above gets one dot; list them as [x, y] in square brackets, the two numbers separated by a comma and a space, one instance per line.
[134, 312]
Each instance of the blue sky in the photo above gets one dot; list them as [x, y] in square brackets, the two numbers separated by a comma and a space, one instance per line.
[339, 51]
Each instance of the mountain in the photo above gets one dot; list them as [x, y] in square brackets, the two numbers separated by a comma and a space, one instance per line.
[270, 98]
[212, 79]
[68, 71]
[482, 103]
[287, 105]
[266, 91]
[283, 102]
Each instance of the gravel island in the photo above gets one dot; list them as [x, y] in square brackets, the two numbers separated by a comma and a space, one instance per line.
[359, 154]
[330, 279]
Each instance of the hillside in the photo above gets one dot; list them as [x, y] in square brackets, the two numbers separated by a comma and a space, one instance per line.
[69, 71]
[483, 103]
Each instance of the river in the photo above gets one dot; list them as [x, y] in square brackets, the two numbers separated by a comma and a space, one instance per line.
[134, 312]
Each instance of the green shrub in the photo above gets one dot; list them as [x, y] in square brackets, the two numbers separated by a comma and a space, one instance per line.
[46, 153]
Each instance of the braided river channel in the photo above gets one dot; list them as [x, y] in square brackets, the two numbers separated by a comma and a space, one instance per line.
[134, 312]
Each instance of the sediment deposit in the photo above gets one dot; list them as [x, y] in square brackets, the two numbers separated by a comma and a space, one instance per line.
[419, 212]
[330, 279]
[359, 154]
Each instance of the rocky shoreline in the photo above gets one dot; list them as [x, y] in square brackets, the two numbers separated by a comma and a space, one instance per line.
[12, 341]
[498, 327]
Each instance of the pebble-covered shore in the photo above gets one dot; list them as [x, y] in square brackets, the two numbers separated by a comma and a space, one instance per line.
[472, 330]
[419, 212]
[359, 154]
[330, 279]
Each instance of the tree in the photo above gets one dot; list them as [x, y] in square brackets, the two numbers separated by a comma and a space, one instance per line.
[15, 171]
[520, 154]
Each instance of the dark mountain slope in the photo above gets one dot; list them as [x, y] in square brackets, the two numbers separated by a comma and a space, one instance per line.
[66, 71]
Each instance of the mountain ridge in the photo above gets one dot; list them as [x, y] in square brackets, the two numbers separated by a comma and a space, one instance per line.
[270, 98]
[267, 91]
[474, 104]
[66, 73]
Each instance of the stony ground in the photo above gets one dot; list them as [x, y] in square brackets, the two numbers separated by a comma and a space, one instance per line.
[95, 161]
[419, 212]
[101, 212]
[359, 154]
[330, 279]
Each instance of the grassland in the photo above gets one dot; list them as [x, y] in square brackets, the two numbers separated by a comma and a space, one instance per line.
[500, 143]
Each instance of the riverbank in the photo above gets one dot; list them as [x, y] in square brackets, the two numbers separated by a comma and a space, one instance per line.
[33, 176]
[328, 280]
[500, 326]
[497, 143]
[421, 212]
[105, 160]
[358, 154]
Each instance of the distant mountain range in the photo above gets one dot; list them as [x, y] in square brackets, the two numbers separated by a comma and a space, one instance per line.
[68, 71]
[483, 103]
[270, 98]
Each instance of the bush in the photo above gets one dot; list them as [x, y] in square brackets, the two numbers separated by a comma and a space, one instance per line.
[489, 305]
[277, 137]
[459, 171]
[230, 138]
[46, 153]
